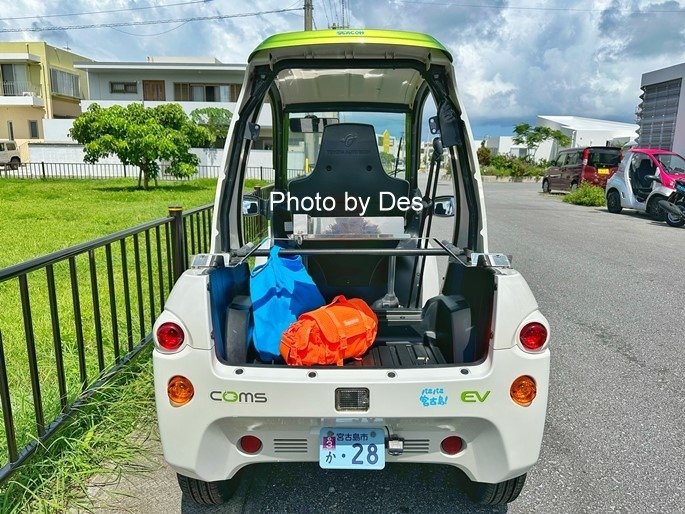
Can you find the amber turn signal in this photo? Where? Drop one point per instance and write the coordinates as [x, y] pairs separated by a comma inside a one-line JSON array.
[[523, 390], [180, 390]]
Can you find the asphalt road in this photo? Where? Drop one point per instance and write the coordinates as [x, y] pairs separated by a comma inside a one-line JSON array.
[[612, 289]]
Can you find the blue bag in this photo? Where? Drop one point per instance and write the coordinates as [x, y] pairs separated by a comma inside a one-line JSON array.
[[280, 290]]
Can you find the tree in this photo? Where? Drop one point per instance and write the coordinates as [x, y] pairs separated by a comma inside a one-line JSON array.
[[533, 137], [216, 120], [388, 161], [142, 137], [484, 154]]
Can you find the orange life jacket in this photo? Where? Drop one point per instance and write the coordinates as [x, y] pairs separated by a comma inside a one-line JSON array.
[[341, 330]]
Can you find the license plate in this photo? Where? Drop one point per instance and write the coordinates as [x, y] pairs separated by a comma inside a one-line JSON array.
[[603, 171], [352, 448]]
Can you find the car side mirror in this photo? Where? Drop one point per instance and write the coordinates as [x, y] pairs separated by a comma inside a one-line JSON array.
[[653, 178], [444, 206], [251, 205]]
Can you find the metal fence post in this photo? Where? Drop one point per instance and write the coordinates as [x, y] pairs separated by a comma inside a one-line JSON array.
[[177, 241], [261, 173], [258, 193], [42, 168]]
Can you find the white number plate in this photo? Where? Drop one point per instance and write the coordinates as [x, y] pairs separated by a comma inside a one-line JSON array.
[[352, 448]]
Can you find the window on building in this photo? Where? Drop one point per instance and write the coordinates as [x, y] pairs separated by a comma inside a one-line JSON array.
[[33, 129], [123, 87], [187, 92], [14, 79], [65, 83]]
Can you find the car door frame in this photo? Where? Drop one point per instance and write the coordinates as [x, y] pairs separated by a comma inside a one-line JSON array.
[[554, 174], [631, 199], [571, 170]]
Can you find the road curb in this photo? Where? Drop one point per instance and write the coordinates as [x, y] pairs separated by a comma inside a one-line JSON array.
[[493, 178]]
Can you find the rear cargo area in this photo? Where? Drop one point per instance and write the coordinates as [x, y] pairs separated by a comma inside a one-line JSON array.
[[452, 328]]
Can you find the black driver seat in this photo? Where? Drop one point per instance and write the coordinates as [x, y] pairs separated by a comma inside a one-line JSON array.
[[646, 168], [349, 162]]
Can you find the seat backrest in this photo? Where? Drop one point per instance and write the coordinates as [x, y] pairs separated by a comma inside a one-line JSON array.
[[349, 162], [646, 168]]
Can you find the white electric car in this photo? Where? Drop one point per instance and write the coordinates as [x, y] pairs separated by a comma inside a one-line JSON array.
[[458, 374]]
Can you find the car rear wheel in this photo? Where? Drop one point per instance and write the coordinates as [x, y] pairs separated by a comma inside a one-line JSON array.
[[574, 186], [545, 186], [655, 210], [676, 222], [208, 493], [614, 202], [495, 494], [14, 163]]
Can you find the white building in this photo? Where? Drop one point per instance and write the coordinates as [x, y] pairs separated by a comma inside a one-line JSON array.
[[191, 82], [581, 131], [588, 131], [504, 145], [661, 114]]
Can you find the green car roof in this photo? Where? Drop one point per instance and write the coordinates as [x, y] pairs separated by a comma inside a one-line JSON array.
[[357, 36]]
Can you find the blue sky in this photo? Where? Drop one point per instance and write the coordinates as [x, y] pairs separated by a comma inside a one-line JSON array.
[[514, 59]]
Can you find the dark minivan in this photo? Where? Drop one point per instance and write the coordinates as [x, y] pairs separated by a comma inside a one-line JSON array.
[[591, 164]]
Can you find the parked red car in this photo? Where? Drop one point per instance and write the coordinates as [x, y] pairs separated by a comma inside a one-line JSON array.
[[591, 164]]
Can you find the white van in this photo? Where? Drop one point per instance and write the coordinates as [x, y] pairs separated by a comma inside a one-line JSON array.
[[458, 373]]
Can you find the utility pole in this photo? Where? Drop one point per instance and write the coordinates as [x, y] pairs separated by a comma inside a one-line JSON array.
[[308, 14]]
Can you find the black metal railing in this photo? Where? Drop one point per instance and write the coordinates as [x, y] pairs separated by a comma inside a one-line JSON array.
[[255, 227], [73, 318], [82, 170]]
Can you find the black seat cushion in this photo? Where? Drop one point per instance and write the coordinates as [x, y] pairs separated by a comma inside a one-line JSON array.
[[349, 162]]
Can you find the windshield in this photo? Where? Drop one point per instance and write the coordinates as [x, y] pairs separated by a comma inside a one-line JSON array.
[[673, 163], [303, 147]]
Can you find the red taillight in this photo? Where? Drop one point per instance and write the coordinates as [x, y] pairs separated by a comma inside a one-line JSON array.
[[533, 336], [586, 156], [452, 445], [250, 444], [170, 336]]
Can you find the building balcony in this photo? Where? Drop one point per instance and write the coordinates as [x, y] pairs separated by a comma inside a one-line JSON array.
[[20, 93]]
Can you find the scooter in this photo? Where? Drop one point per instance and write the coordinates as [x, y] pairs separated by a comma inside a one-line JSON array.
[[675, 205]]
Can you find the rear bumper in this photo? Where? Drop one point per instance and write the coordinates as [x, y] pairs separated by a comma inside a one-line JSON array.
[[286, 408]]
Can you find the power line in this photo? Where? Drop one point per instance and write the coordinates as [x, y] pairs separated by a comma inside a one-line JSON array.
[[162, 6], [530, 8], [149, 22], [334, 12], [325, 11], [151, 35]]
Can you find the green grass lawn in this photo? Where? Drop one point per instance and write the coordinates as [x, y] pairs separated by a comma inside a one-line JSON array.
[[39, 217]]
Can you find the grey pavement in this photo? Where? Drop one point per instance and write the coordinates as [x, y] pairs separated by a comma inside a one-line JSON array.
[[612, 289]]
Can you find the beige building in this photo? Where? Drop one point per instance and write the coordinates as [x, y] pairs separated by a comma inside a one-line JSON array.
[[38, 81]]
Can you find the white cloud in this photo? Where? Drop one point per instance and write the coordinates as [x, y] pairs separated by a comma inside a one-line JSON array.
[[511, 64]]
